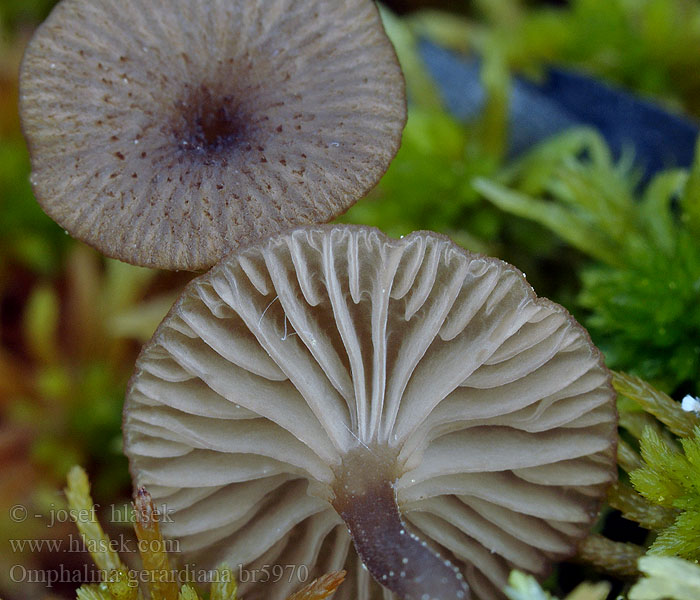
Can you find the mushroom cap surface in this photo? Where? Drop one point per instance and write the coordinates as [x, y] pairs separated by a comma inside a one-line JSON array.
[[327, 342], [167, 132]]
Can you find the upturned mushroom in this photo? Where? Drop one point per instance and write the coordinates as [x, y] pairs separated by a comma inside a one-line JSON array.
[[333, 385], [167, 132]]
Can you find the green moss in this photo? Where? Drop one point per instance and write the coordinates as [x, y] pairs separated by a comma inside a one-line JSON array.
[[671, 478], [427, 185], [667, 578], [640, 294], [525, 587]]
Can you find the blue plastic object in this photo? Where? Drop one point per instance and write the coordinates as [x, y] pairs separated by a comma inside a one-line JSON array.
[[565, 99]]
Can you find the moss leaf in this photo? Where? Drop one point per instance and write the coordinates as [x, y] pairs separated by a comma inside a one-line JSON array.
[[667, 578]]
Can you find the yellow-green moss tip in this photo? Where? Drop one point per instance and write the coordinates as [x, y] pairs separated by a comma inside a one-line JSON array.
[[82, 510], [224, 586]]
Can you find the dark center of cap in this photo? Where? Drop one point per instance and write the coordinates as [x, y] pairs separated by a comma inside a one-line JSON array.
[[210, 123]]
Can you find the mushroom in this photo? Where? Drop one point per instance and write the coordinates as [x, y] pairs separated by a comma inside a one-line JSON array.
[[332, 384], [166, 133]]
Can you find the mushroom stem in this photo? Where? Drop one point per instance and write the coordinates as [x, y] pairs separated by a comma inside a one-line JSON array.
[[398, 559]]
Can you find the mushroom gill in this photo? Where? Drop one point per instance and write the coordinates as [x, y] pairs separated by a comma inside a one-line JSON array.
[[167, 132], [332, 385]]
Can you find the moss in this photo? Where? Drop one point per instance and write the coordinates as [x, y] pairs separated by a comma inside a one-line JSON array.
[[639, 294]]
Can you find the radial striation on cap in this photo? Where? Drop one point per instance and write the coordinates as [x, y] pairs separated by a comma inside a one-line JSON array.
[[167, 132], [333, 385]]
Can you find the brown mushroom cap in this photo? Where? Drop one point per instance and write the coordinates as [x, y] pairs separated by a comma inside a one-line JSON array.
[[167, 132], [325, 365]]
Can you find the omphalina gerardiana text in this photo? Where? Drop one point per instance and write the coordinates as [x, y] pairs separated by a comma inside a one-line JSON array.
[[167, 132], [333, 397]]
